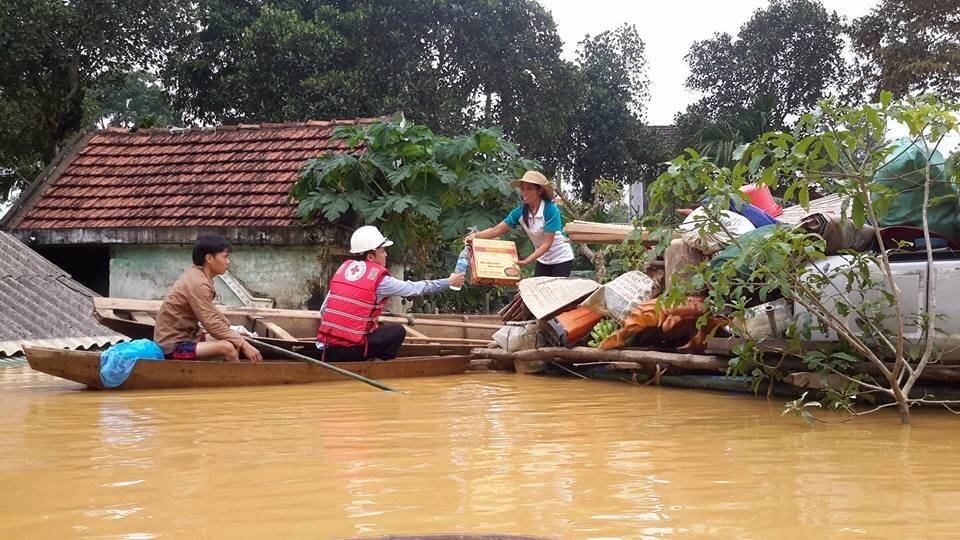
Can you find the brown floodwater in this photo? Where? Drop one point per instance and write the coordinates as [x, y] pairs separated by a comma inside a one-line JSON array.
[[479, 453]]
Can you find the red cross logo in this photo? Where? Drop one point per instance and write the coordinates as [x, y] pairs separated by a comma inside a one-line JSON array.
[[355, 271]]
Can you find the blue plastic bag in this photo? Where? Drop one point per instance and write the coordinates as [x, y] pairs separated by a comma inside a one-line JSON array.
[[118, 361]]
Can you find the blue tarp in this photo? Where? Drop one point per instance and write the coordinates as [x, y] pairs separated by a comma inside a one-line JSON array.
[[118, 361], [758, 217]]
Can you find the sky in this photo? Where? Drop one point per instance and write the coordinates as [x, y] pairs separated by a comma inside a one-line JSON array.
[[668, 29]]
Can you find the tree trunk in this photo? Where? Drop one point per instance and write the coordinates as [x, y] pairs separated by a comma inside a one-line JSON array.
[[600, 263], [488, 106], [586, 354]]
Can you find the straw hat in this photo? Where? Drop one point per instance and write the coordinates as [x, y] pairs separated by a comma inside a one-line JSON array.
[[533, 177]]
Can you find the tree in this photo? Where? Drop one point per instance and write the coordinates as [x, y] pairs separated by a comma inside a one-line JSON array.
[[909, 47], [845, 150], [416, 186], [720, 140], [791, 51], [608, 138], [449, 65], [133, 99], [54, 51], [258, 61]]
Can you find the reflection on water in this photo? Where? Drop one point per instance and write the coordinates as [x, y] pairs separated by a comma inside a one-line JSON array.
[[479, 453]]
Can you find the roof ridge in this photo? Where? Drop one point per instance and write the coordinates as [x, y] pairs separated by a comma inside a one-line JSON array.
[[178, 130]]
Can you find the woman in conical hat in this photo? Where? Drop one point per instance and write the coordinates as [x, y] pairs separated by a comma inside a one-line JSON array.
[[540, 218]]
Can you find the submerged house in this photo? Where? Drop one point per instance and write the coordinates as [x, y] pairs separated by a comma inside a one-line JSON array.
[[120, 209]]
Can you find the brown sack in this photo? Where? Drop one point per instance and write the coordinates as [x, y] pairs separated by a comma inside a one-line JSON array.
[[838, 233]]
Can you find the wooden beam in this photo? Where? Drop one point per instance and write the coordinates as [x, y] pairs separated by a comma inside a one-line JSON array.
[[647, 358], [142, 317], [253, 236], [448, 340], [414, 333], [277, 330]]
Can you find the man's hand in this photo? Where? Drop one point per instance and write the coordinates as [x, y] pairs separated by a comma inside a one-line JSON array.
[[456, 280], [469, 239], [251, 352]]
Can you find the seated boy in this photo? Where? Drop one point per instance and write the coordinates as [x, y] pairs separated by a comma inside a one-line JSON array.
[[190, 301]]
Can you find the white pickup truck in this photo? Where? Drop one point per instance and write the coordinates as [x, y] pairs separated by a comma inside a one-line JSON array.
[[909, 272]]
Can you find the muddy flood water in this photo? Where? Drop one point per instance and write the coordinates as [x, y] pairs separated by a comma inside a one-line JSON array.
[[478, 453]]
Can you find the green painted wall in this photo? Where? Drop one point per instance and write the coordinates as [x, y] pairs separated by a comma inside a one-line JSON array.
[[288, 274]]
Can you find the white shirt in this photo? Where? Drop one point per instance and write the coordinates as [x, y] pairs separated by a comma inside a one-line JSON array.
[[560, 251]]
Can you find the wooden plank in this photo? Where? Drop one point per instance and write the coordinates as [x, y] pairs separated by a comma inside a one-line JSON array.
[[142, 317], [591, 226], [277, 330], [283, 236], [413, 333], [447, 340]]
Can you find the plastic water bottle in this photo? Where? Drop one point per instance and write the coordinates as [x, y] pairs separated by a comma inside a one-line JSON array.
[[463, 260], [463, 263]]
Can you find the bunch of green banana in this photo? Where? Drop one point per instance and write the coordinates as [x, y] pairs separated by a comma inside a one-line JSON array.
[[600, 332]]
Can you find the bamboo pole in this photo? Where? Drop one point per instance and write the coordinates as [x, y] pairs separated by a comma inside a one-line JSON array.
[[464, 341], [331, 367]]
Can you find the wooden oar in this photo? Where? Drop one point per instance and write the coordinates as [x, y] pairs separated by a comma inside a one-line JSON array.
[[331, 367]]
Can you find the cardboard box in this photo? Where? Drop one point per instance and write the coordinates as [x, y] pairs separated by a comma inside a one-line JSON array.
[[494, 262]]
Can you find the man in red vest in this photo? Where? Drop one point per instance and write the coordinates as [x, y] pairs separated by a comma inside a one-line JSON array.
[[358, 291]]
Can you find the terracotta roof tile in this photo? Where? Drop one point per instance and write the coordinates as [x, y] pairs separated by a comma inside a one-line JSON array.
[[223, 176]]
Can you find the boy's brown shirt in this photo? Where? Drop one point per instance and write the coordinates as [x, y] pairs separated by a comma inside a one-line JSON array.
[[189, 301]]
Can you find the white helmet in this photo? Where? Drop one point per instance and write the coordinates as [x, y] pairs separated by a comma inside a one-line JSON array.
[[367, 238]]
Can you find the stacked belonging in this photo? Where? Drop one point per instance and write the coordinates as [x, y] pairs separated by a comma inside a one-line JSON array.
[[516, 310]]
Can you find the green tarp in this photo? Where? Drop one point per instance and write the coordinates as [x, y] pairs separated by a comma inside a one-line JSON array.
[[904, 173]]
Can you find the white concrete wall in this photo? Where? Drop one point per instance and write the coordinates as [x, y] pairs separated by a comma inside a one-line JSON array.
[[288, 274]]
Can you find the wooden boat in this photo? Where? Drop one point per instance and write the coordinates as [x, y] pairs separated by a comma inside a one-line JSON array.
[[296, 330], [84, 368]]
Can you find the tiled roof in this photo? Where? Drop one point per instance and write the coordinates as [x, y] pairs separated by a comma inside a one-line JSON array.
[[669, 135], [41, 305], [228, 176]]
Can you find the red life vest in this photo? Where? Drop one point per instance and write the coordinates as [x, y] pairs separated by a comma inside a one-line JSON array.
[[352, 310]]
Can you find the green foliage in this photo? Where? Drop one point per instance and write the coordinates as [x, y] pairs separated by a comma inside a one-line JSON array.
[[801, 407], [448, 65], [838, 150], [415, 185], [608, 136], [54, 52], [789, 51], [721, 140], [600, 332], [266, 62], [133, 99], [445, 64], [908, 47]]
